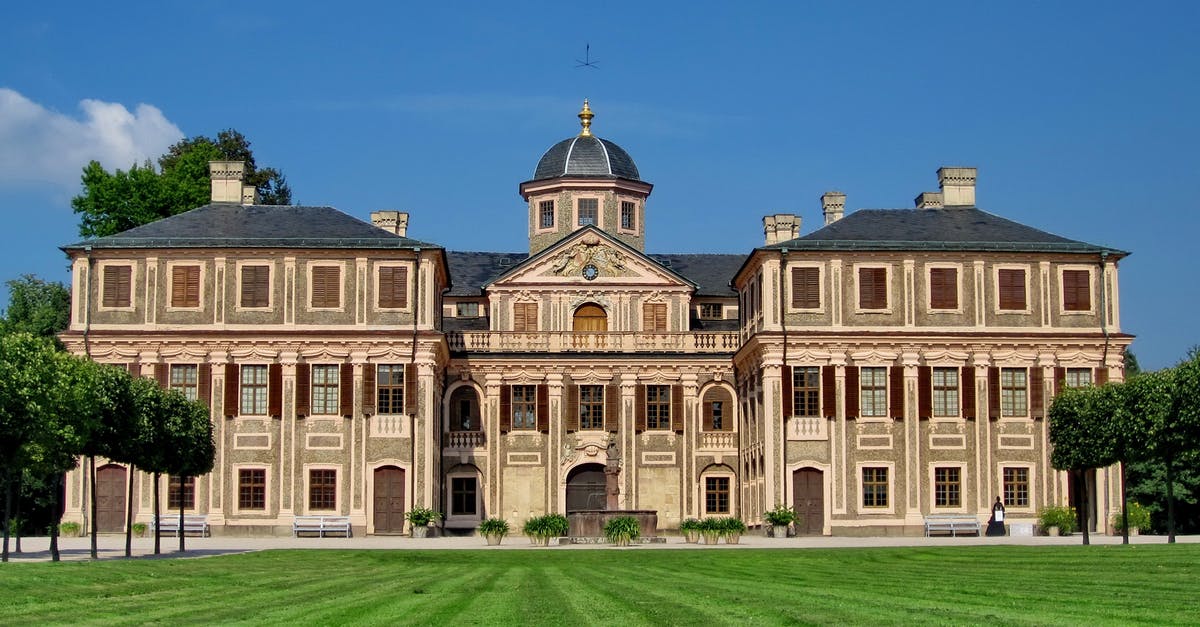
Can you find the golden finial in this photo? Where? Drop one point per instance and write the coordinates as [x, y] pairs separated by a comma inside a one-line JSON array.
[[585, 120]]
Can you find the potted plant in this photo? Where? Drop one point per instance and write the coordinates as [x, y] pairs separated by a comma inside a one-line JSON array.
[[494, 530], [70, 529], [621, 530], [1139, 520], [732, 528], [541, 528], [139, 529], [710, 530], [421, 518], [1057, 519], [690, 528], [779, 519]]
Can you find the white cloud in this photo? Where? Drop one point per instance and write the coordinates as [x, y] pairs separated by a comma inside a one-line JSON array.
[[41, 145]]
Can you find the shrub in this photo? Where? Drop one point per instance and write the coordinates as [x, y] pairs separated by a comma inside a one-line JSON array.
[[689, 524], [622, 529], [557, 525], [542, 528], [1057, 516], [422, 516], [70, 529], [1139, 518], [781, 516], [494, 527], [732, 526]]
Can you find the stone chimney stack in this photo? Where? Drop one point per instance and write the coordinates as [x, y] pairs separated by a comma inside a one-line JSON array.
[[833, 205], [958, 186], [781, 227], [226, 177], [250, 195], [391, 221], [929, 200]]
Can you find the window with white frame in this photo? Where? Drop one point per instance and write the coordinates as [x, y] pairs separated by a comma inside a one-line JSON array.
[[716, 495], [325, 381], [945, 392], [254, 390], [546, 214], [875, 486], [947, 486], [589, 211], [1016, 486], [872, 384], [1014, 392], [1078, 377], [184, 379]]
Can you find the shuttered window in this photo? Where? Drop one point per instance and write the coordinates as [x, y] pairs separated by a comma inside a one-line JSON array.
[[1014, 392], [185, 380], [658, 407], [326, 286], [389, 389], [943, 288], [393, 287], [945, 392], [117, 286], [185, 286], [524, 407], [654, 317], [325, 383], [806, 288], [1077, 290], [254, 390], [1011, 282], [256, 283], [1078, 377], [872, 288], [806, 391], [525, 317], [873, 391], [591, 407]]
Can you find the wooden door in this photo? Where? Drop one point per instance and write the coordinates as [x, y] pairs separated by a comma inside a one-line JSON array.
[[808, 499], [389, 500], [110, 499]]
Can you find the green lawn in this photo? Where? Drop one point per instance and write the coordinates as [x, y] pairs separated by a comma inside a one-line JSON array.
[[958, 585]]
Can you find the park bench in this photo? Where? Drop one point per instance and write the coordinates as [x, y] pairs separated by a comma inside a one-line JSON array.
[[321, 525], [952, 523], [196, 524]]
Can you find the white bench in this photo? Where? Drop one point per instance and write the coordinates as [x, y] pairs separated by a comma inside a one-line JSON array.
[[952, 523], [321, 525], [192, 524]]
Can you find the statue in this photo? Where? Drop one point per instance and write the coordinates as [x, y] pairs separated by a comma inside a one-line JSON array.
[[612, 472]]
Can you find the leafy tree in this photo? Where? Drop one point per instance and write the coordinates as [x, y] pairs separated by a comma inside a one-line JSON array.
[[1080, 437], [1176, 437], [40, 308], [191, 451], [116, 430]]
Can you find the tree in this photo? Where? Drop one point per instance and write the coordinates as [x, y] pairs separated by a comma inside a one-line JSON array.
[[191, 451], [1080, 438], [1128, 433], [116, 202], [1177, 436], [37, 307], [116, 430]]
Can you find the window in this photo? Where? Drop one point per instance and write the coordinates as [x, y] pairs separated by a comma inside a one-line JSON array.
[[712, 311], [718, 415], [1016, 487], [591, 407], [658, 407], [1014, 389], [1012, 289], [462, 496], [588, 211], [628, 210], [117, 285], [393, 288], [252, 488], [468, 310], [945, 392], [947, 487], [326, 289], [389, 389], [872, 288], [806, 288], [325, 382], [1078, 377], [654, 317], [872, 385], [524, 407], [322, 489], [256, 281], [185, 286], [546, 214], [184, 379], [181, 495], [943, 288], [254, 390], [806, 391], [525, 317], [1077, 290], [875, 487], [716, 495]]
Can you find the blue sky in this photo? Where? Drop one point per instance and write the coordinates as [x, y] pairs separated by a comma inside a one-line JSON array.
[[1081, 117]]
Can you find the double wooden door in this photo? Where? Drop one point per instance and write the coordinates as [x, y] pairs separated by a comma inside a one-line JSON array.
[[110, 499], [808, 499], [389, 500]]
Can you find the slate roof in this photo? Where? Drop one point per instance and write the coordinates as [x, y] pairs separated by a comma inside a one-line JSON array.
[[586, 157], [256, 226]]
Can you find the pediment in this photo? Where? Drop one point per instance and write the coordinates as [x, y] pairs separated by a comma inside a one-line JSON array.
[[590, 259]]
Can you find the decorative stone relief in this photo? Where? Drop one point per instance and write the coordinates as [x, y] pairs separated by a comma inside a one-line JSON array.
[[590, 251]]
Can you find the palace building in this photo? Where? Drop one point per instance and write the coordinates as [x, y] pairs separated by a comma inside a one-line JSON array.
[[890, 365]]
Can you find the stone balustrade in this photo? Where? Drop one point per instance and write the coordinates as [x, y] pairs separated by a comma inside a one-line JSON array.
[[718, 440], [715, 342], [464, 439], [814, 428]]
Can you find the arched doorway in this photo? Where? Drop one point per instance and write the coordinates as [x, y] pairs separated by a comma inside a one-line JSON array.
[[586, 488], [389, 499], [590, 318], [464, 410], [110, 498], [808, 500]]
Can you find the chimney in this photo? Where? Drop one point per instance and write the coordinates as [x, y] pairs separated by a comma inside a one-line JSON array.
[[226, 177], [929, 200], [781, 227], [958, 186], [833, 204], [249, 195], [391, 221]]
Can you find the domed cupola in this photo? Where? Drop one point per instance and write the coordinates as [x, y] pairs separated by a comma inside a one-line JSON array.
[[585, 180]]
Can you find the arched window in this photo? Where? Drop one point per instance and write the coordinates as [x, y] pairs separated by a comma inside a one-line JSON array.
[[590, 318], [464, 410]]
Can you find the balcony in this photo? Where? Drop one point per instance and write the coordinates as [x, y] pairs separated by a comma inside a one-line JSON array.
[[463, 440], [710, 342], [718, 441], [806, 428]]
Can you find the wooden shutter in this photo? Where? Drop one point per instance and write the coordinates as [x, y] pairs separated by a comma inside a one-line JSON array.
[[706, 412], [677, 408], [303, 389], [543, 408], [505, 408], [525, 317], [1012, 288], [851, 391], [872, 288], [393, 287], [571, 419], [788, 402], [943, 288], [133, 369], [275, 390], [231, 390], [612, 407], [654, 317], [924, 392], [346, 393], [806, 288], [1036, 392], [896, 386], [1060, 379], [162, 374], [326, 286], [640, 400], [117, 286], [369, 393], [829, 390], [1101, 376], [1076, 287], [967, 396], [410, 389], [256, 284], [204, 384], [994, 392], [185, 286]]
